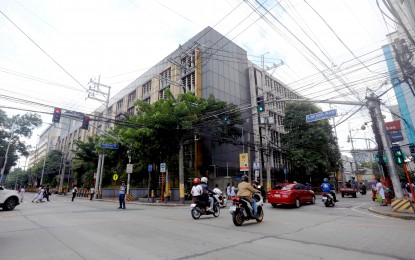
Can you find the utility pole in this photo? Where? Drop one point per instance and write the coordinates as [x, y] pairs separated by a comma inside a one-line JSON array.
[[373, 103]]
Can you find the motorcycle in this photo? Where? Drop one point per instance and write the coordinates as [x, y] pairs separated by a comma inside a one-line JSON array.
[[242, 209], [328, 200], [199, 208], [363, 190], [222, 201]]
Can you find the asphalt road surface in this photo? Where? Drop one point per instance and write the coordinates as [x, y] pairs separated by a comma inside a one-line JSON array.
[[85, 229]]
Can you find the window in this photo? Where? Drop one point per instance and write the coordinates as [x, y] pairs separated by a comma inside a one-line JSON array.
[[147, 89], [187, 64], [165, 78], [131, 111], [131, 98], [120, 105], [162, 93], [188, 82], [147, 100]]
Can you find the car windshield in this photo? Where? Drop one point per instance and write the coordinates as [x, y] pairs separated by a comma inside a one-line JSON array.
[[283, 187]]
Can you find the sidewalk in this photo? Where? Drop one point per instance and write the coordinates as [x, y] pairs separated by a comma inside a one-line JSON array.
[[387, 211]]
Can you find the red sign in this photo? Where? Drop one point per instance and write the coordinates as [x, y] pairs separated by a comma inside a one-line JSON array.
[[393, 126]]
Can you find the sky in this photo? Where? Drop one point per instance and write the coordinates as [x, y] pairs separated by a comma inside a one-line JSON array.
[[331, 49]]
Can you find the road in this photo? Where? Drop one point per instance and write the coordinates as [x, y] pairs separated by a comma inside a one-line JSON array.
[[82, 229]]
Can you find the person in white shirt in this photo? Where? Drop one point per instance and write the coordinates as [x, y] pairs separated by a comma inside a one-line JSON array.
[[197, 190], [381, 192], [219, 192], [22, 191]]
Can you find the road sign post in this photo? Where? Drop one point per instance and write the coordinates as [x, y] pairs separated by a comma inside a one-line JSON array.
[[150, 169], [163, 171]]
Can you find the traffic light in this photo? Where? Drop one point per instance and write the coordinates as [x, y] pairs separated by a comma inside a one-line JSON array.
[[398, 155], [85, 123], [56, 115], [260, 104], [412, 148]]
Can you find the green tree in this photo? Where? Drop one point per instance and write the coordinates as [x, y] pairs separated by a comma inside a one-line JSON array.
[[311, 147], [12, 130], [158, 130], [84, 164]]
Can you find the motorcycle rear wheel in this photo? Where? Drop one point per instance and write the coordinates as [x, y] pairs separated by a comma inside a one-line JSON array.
[[216, 209], [196, 213], [260, 217], [237, 218]]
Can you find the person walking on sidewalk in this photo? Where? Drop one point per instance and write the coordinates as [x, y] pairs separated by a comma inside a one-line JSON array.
[[121, 195], [381, 192], [74, 191], [47, 193], [91, 193]]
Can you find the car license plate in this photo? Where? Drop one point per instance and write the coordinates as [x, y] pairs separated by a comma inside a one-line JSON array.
[[277, 195], [232, 209]]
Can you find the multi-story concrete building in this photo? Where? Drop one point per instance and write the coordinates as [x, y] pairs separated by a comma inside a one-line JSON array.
[[208, 64]]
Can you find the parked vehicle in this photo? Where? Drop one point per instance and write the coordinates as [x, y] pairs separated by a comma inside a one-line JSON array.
[[9, 199], [291, 194], [348, 192], [328, 200], [242, 209], [199, 208]]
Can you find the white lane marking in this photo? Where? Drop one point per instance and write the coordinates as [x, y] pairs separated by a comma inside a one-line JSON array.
[[373, 215]]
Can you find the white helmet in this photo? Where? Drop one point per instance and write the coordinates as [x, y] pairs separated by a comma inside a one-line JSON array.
[[204, 180]]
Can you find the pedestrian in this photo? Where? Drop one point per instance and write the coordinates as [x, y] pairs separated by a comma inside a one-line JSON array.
[[233, 194], [121, 195], [381, 192], [47, 193], [22, 191], [228, 191], [36, 197], [91, 193], [408, 189], [74, 191]]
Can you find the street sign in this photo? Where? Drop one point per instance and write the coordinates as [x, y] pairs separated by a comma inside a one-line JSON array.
[[130, 168], [108, 146], [162, 167], [321, 115], [150, 167], [395, 136], [243, 162], [115, 177], [393, 125], [256, 166]]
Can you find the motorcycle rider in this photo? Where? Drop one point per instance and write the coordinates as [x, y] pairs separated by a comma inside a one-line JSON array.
[[197, 190], [219, 192], [328, 188], [245, 189], [206, 192]]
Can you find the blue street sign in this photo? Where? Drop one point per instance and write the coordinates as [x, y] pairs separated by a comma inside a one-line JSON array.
[[108, 146], [162, 167], [150, 167], [396, 136], [321, 115]]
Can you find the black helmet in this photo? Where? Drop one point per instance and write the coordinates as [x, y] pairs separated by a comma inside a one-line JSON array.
[[244, 178]]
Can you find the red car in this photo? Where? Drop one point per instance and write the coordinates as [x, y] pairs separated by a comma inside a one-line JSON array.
[[291, 194]]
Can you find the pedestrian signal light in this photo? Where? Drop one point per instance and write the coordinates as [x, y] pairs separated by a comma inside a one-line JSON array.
[[260, 104], [56, 115], [412, 148], [398, 155], [85, 123]]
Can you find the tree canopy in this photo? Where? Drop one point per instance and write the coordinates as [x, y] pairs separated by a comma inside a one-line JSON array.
[[12, 130], [311, 147]]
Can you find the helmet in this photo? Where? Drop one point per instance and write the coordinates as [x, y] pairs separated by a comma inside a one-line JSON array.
[[204, 180], [196, 181], [326, 180], [244, 178]]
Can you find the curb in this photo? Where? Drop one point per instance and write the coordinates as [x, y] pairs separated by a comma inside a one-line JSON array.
[[394, 215]]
